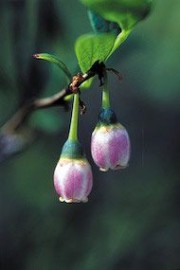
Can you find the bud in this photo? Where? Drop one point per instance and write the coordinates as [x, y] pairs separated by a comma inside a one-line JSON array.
[[73, 176], [110, 144]]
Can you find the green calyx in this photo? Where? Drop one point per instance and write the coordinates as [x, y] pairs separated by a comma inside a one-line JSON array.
[[107, 117], [72, 150]]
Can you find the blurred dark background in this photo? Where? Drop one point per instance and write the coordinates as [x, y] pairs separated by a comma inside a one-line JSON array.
[[131, 221]]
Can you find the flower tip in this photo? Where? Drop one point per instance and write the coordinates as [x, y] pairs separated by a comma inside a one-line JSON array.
[[61, 199], [103, 169], [84, 200]]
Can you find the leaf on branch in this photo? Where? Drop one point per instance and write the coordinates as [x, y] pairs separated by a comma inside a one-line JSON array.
[[105, 15], [92, 47], [55, 60], [124, 12]]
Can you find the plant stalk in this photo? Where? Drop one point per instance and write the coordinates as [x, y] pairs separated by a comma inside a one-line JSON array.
[[105, 93], [73, 132]]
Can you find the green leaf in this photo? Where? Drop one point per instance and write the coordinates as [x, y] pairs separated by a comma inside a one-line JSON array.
[[100, 25], [92, 47], [124, 12], [53, 59], [106, 14]]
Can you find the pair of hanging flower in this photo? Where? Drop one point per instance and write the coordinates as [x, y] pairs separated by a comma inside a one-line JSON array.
[[110, 149], [112, 22]]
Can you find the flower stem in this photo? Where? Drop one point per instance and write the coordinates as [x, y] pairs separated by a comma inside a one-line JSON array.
[[105, 93], [73, 133]]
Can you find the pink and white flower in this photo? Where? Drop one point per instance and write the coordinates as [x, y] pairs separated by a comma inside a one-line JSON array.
[[110, 146], [73, 180]]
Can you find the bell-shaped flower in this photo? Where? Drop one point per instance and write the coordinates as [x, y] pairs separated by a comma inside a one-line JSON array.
[[73, 175], [110, 144], [73, 178]]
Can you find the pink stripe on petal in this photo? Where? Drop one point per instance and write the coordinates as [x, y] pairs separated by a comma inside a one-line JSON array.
[[79, 184], [89, 182], [73, 183], [98, 151], [125, 155], [116, 147]]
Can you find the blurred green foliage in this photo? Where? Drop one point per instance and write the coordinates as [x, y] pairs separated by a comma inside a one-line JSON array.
[[132, 218]]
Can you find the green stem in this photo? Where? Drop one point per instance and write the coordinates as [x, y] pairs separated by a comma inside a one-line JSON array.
[[73, 133], [105, 93]]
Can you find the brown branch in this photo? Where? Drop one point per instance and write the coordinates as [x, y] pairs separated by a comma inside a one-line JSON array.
[[24, 112]]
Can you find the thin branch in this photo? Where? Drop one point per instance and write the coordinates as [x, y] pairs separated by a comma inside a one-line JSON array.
[[24, 112], [17, 119]]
